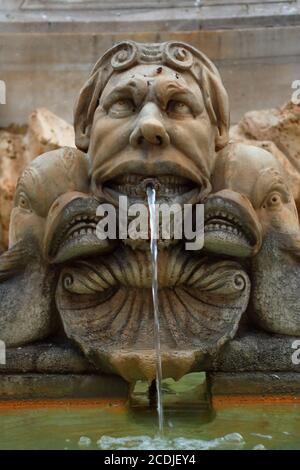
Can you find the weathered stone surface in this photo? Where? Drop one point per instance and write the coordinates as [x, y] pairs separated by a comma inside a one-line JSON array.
[[27, 290], [248, 352], [26, 309], [18, 146], [46, 132], [46, 358], [275, 283], [60, 386], [278, 131], [149, 115], [253, 383], [208, 300], [107, 308], [257, 175], [257, 351], [279, 125], [13, 159]]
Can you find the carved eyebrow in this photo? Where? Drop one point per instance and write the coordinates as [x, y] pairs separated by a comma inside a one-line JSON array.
[[28, 178], [166, 90], [134, 88]]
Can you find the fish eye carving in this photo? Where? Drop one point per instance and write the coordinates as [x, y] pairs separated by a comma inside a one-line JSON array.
[[273, 200], [23, 202], [276, 197]]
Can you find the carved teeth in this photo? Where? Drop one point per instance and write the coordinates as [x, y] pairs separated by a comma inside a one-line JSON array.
[[132, 185], [214, 226], [90, 222]]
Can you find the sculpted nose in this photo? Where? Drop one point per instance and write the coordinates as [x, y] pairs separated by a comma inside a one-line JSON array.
[[149, 128]]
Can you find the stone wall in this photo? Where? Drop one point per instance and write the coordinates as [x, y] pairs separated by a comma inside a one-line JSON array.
[[46, 54]]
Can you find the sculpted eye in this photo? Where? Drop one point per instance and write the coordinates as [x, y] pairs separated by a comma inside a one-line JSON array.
[[23, 202], [273, 200], [179, 108], [122, 108]]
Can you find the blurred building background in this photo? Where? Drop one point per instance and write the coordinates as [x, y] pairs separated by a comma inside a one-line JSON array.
[[47, 47]]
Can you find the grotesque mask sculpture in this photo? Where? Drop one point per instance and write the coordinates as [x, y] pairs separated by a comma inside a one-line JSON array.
[[159, 114]]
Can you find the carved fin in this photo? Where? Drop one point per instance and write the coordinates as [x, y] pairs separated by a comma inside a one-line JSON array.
[[14, 260], [290, 243]]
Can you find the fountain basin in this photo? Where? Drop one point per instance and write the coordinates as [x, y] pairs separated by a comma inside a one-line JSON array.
[[110, 424]]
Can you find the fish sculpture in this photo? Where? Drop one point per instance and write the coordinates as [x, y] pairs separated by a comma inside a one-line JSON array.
[[275, 264], [53, 221]]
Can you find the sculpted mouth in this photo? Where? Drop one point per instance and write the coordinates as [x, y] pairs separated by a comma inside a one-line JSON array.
[[81, 226], [230, 228], [167, 186], [226, 222], [73, 232]]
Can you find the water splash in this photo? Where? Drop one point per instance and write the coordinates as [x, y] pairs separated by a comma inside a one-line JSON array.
[[229, 441], [84, 441], [151, 194]]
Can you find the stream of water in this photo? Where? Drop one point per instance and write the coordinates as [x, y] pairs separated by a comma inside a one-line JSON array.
[[151, 194]]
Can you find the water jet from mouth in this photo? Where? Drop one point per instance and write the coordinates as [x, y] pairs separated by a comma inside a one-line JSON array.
[[151, 195]]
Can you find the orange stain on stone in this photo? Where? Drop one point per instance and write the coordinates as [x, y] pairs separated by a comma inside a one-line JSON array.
[[223, 401], [115, 405]]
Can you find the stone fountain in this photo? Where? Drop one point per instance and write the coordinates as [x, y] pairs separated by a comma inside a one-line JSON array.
[[76, 311]]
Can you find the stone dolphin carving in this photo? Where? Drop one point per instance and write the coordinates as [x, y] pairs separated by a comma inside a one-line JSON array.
[[275, 268], [27, 281]]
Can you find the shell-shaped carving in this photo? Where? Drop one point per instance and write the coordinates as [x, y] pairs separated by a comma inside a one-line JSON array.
[[133, 269], [106, 306]]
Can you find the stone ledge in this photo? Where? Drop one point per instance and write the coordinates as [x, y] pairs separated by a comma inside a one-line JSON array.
[[55, 371], [256, 352], [183, 17], [46, 358], [253, 383], [250, 352], [61, 386]]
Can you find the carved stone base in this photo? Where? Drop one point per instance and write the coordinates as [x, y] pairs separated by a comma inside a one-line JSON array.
[[251, 364], [57, 372], [256, 365], [61, 386], [263, 384], [257, 352]]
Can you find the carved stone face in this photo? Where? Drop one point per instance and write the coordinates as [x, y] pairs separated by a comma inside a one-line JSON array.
[[257, 175], [46, 179], [274, 203], [151, 122], [154, 113]]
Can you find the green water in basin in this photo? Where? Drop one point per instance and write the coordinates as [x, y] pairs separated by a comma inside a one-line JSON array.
[[189, 424]]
